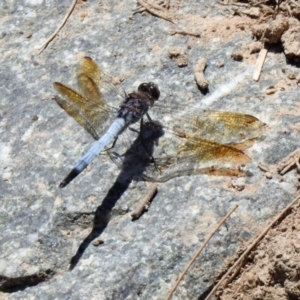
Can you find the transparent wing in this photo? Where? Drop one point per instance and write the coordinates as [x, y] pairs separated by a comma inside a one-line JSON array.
[[105, 88], [194, 156], [202, 141], [74, 111], [85, 110], [220, 126]]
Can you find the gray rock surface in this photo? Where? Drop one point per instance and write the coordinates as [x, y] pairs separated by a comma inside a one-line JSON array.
[[44, 229]]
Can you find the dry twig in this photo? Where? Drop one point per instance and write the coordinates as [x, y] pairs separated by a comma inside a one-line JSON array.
[[284, 165], [145, 202], [199, 73], [239, 263], [259, 63], [44, 46], [199, 251], [291, 160], [184, 32], [157, 10]]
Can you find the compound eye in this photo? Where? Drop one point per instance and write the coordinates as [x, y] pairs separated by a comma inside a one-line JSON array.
[[143, 87], [154, 91], [150, 89]]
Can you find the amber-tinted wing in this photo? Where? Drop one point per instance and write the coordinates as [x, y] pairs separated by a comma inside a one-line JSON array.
[[75, 112], [203, 142], [88, 106], [88, 70], [87, 113], [220, 126], [199, 156], [89, 80], [227, 127], [208, 151]]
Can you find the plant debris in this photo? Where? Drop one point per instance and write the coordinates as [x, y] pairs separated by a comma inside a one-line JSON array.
[[179, 57], [199, 73]]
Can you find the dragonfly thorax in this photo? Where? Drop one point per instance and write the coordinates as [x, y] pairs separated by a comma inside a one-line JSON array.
[[138, 103], [133, 108]]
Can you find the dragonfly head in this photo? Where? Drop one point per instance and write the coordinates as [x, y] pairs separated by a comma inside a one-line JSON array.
[[150, 89]]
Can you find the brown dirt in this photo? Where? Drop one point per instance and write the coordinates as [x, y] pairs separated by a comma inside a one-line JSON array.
[[273, 268], [179, 57], [269, 24], [275, 24]]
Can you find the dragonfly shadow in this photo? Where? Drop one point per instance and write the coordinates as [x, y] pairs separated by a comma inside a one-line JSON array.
[[132, 163]]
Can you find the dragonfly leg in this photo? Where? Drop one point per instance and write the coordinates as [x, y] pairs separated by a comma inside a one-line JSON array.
[[112, 146], [148, 116]]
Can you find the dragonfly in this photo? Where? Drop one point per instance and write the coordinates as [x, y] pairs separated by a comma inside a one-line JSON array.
[[194, 141]]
